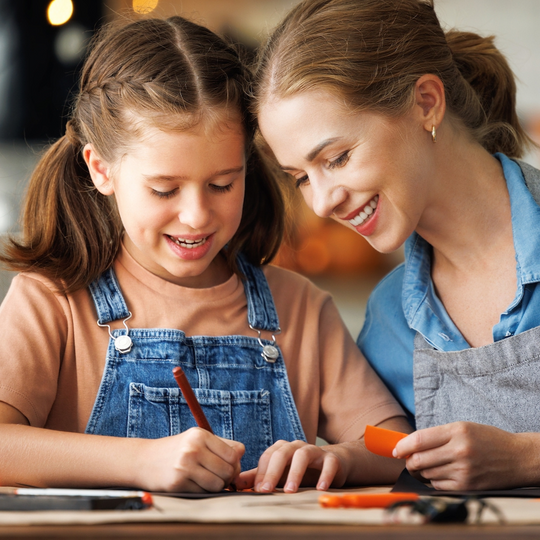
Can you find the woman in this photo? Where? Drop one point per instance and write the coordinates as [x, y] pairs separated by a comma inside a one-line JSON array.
[[409, 136]]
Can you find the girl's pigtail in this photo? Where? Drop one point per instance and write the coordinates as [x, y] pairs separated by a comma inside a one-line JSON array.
[[71, 231]]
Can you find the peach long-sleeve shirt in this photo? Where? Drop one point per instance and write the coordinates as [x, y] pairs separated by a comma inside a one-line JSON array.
[[53, 352]]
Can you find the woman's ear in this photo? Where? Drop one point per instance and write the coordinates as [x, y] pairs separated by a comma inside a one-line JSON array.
[[430, 100], [99, 170]]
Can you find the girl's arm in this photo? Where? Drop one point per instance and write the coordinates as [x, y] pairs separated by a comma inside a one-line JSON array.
[[191, 461], [466, 455], [298, 464]]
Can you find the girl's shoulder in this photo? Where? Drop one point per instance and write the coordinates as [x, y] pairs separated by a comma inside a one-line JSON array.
[[284, 282]]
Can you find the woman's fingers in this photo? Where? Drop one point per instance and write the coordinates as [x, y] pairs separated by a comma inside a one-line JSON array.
[[423, 439]]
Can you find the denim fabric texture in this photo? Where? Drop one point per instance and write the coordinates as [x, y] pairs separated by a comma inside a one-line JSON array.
[[244, 397], [405, 303]]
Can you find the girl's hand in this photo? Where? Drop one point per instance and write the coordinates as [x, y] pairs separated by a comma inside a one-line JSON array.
[[465, 455], [289, 463], [193, 461]]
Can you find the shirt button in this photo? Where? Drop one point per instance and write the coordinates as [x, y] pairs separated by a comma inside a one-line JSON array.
[[508, 334], [444, 336]]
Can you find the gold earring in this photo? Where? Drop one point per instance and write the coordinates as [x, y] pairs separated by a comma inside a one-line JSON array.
[[433, 134]]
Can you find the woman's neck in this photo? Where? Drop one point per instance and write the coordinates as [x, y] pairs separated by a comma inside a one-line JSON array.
[[468, 218]]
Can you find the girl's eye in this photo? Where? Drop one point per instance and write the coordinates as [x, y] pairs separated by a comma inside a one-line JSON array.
[[164, 194], [301, 181], [221, 189], [339, 161]]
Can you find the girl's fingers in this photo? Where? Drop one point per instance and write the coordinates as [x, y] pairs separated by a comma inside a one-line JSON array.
[[264, 461], [330, 468], [246, 479], [315, 458]]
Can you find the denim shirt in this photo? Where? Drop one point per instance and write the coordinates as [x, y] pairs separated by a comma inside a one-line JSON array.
[[405, 302]]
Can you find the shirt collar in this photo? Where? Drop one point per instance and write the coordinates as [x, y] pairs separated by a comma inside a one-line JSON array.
[[423, 309]]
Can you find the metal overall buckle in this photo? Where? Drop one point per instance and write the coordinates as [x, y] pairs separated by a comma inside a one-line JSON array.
[[123, 343], [269, 352]]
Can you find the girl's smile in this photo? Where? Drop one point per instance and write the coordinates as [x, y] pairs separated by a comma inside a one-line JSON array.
[[180, 197]]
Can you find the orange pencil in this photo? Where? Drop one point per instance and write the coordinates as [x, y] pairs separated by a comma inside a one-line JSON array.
[[191, 399]]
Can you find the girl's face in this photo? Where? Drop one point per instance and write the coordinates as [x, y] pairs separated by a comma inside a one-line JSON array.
[[180, 196], [367, 171]]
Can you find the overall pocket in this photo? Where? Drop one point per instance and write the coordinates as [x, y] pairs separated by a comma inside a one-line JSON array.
[[241, 415]]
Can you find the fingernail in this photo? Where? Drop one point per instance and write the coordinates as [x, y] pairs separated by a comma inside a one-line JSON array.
[[258, 487], [394, 452], [266, 487], [291, 486], [322, 486]]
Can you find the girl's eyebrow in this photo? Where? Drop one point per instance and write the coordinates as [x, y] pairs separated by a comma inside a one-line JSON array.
[[169, 178], [315, 152]]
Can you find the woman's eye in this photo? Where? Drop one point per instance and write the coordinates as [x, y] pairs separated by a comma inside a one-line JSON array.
[[339, 161], [301, 181], [164, 194]]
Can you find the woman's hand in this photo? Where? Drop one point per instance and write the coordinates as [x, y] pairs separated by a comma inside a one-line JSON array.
[[193, 461], [465, 455], [291, 463]]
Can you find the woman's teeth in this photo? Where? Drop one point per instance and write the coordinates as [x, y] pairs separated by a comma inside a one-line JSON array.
[[365, 213], [189, 244]]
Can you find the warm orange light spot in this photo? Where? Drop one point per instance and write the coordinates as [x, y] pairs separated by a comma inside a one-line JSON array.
[[144, 6], [59, 12]]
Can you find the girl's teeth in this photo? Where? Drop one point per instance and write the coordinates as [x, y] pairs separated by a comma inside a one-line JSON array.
[[365, 213], [189, 244]]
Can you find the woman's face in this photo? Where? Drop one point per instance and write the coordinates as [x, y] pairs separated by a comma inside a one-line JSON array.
[[367, 171]]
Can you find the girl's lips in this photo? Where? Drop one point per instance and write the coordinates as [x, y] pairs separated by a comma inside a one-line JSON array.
[[190, 249]]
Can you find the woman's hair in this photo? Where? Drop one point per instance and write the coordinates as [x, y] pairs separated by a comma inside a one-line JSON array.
[[370, 53], [170, 74]]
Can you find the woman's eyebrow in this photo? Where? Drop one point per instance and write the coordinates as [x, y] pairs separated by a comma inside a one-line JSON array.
[[315, 152]]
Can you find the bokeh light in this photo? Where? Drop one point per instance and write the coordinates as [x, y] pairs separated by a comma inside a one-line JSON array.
[[143, 7], [59, 12]]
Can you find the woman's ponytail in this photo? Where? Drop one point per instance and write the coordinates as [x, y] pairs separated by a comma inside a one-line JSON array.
[[488, 73]]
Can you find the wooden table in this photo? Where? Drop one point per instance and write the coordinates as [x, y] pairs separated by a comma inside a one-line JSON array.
[[169, 531]]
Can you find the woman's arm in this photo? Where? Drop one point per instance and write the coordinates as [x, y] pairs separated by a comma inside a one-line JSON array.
[[298, 464], [191, 461], [465, 455]]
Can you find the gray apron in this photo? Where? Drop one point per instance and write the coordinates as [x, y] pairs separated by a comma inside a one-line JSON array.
[[498, 384]]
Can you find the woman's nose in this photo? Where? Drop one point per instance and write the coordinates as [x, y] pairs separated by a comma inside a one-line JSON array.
[[325, 197]]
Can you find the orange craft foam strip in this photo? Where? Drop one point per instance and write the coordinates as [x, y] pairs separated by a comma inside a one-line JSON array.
[[365, 500], [382, 441]]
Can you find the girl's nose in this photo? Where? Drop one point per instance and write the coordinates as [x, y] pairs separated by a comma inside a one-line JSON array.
[[194, 211]]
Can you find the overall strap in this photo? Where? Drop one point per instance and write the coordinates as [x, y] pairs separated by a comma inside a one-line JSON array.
[[262, 313], [107, 296]]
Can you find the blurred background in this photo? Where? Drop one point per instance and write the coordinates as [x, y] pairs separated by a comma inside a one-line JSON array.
[[42, 45]]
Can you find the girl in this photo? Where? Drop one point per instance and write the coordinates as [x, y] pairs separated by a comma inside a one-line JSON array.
[[147, 232], [405, 135]]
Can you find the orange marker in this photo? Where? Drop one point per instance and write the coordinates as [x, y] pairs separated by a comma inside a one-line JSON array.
[[382, 441], [365, 500]]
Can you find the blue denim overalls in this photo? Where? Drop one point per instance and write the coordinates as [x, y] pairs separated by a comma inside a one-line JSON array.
[[245, 394]]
